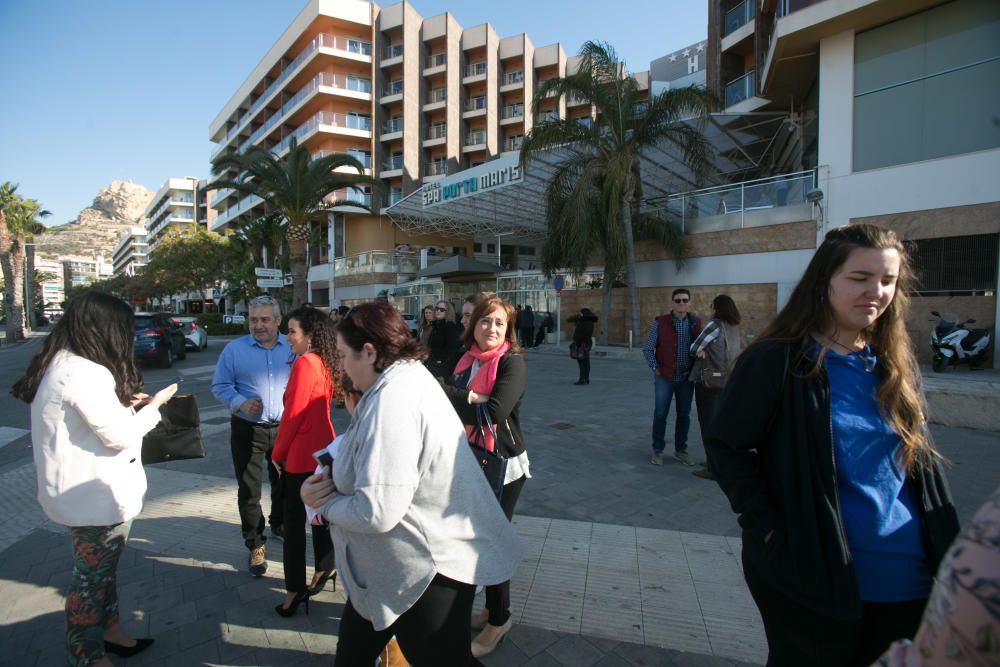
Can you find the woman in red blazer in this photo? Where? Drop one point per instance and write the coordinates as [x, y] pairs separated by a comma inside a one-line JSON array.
[[305, 428]]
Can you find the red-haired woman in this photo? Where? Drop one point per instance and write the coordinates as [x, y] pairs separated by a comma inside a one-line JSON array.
[[492, 372]]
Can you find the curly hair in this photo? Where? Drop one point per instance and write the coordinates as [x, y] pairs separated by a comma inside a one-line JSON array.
[[322, 338], [98, 327]]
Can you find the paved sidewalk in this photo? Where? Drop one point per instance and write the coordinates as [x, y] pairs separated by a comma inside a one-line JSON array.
[[627, 563]]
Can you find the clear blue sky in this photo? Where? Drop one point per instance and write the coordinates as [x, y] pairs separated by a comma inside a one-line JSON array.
[[96, 90]]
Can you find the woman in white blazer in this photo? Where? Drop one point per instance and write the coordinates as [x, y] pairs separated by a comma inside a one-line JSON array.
[[83, 388]]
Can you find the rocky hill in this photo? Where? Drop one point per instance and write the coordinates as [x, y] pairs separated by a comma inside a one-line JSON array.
[[97, 229]]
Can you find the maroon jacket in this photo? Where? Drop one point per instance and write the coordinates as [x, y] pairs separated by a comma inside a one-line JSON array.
[[666, 343]]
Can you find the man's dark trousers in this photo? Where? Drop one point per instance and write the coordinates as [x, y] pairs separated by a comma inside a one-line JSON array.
[[251, 445]]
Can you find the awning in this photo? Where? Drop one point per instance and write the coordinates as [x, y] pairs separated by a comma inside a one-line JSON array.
[[497, 199], [458, 266]]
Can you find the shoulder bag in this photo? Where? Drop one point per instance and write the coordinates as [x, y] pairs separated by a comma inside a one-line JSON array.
[[715, 378], [491, 462], [177, 436]]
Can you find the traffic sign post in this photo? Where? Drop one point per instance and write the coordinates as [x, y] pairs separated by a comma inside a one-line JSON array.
[[268, 273], [271, 282]]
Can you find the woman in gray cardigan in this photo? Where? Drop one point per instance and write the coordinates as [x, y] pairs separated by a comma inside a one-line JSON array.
[[715, 348], [415, 525]]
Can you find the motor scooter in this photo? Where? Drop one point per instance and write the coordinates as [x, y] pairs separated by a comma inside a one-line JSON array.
[[953, 343]]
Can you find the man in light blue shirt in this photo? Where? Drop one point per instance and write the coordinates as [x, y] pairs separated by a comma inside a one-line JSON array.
[[250, 379]]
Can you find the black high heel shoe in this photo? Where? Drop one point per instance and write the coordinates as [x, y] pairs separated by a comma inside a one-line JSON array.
[[289, 611], [318, 588], [127, 651]]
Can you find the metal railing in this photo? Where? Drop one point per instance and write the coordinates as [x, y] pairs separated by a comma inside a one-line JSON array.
[[437, 60], [475, 138], [438, 95], [393, 125], [513, 143], [739, 199], [741, 89], [395, 162], [392, 51], [513, 77], [346, 121], [476, 103], [738, 16], [476, 69], [512, 111], [394, 88], [437, 131], [546, 117], [437, 168]]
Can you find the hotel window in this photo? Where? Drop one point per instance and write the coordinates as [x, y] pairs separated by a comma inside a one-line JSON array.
[[926, 86]]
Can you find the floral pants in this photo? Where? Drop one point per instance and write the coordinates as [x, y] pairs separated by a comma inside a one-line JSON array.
[[92, 597]]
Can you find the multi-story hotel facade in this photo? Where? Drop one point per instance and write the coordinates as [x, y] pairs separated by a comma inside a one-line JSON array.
[[414, 100], [180, 204], [131, 253]]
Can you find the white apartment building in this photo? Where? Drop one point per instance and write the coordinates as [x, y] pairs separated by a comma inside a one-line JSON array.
[[131, 253], [172, 209]]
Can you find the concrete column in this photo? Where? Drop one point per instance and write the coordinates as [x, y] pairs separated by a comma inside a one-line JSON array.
[[836, 117]]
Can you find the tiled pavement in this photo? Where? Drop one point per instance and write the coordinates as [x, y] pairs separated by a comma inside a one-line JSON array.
[[627, 563]]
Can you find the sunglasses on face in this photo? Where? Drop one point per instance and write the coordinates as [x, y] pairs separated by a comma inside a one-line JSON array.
[[440, 309], [681, 300]]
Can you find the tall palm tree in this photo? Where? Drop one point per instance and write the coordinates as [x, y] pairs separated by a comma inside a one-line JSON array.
[[18, 224], [593, 199], [298, 188]]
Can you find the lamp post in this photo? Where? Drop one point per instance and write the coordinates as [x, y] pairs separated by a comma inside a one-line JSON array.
[[29, 284]]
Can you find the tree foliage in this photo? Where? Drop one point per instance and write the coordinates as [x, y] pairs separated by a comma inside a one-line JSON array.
[[593, 201], [296, 187], [19, 222]]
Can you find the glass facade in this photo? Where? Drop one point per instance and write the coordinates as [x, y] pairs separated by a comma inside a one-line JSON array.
[[927, 86]]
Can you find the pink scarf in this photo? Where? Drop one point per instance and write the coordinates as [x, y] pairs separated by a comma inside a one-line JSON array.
[[484, 379]]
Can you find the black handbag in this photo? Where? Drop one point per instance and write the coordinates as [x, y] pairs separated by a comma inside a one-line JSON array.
[[574, 351], [493, 464], [177, 436]]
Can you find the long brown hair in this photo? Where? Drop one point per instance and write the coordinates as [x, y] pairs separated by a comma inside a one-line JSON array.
[[808, 310], [322, 338], [484, 307]]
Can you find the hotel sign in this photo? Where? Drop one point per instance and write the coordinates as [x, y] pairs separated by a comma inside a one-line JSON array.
[[483, 178]]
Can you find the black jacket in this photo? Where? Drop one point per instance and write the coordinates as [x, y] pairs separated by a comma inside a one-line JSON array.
[[504, 403], [583, 333], [771, 449], [444, 346]]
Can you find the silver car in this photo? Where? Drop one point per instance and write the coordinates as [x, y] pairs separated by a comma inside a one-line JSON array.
[[195, 336]]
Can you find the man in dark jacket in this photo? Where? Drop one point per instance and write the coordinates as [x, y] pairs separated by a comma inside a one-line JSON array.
[[667, 353]]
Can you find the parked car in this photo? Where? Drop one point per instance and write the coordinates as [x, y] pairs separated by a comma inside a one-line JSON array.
[[158, 339], [411, 324], [195, 336]]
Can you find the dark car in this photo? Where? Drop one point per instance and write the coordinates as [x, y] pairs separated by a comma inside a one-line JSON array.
[[158, 339]]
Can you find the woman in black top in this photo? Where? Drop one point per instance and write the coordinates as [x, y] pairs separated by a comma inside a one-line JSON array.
[[443, 341], [583, 338], [492, 373]]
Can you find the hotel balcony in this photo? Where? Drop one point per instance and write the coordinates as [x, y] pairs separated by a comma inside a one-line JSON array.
[[474, 107], [392, 168], [348, 125], [437, 99], [474, 141], [392, 55], [345, 47], [740, 89], [737, 17], [436, 63], [512, 81], [759, 203], [475, 73], [435, 170], [436, 135], [513, 143], [511, 114], [392, 130], [392, 93], [546, 117]]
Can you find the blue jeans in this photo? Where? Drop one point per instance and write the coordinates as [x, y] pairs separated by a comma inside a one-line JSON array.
[[666, 390]]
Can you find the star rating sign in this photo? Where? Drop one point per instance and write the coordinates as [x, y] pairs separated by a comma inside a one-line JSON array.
[[687, 52], [701, 47], [673, 57]]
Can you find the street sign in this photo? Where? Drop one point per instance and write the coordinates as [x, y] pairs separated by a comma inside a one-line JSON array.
[[216, 294], [233, 319], [558, 282], [288, 279], [270, 282], [267, 273]]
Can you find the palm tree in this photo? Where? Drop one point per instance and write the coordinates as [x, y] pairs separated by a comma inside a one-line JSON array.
[[18, 224], [593, 199], [298, 188]]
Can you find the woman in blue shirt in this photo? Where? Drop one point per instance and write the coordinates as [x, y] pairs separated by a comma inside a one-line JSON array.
[[821, 446]]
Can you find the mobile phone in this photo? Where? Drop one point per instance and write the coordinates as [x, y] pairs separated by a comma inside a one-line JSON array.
[[323, 458], [178, 380]]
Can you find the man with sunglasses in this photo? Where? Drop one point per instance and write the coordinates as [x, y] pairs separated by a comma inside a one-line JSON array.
[[667, 353]]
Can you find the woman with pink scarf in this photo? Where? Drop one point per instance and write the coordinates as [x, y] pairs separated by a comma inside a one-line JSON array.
[[492, 373]]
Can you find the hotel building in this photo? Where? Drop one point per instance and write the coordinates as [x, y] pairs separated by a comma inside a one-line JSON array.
[[414, 100], [131, 253], [180, 204]]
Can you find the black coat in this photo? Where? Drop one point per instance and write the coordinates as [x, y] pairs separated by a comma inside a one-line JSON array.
[[771, 449], [504, 404], [583, 334], [444, 346]]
